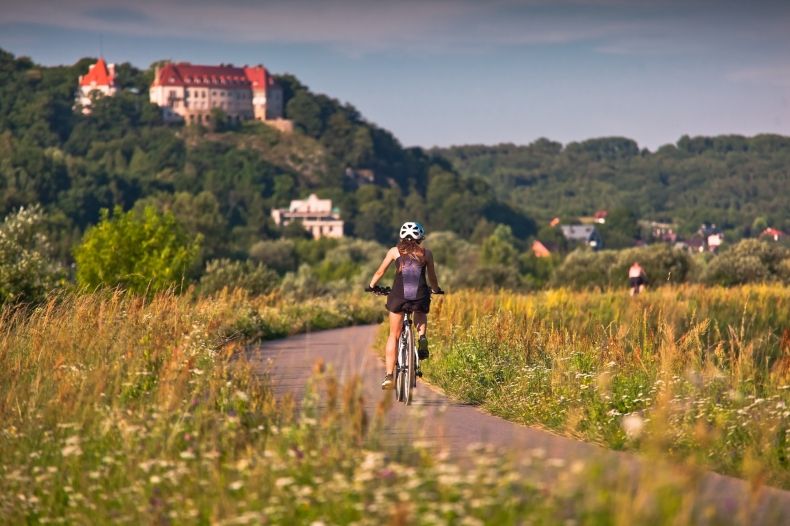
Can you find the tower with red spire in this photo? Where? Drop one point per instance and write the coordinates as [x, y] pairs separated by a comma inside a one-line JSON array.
[[99, 81]]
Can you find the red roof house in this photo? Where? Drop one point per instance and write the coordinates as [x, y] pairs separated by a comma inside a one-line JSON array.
[[98, 81], [773, 233], [540, 250], [600, 216]]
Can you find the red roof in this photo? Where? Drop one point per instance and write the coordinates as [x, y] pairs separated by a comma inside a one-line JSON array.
[[773, 232], [259, 77], [186, 74], [99, 74], [540, 250]]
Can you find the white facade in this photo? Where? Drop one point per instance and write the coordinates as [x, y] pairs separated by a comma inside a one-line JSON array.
[[316, 215]]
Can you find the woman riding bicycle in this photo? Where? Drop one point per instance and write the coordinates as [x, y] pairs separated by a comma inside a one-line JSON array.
[[410, 291]]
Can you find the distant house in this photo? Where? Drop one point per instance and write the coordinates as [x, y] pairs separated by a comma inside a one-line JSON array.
[[696, 243], [586, 234], [659, 231], [316, 215], [772, 233], [598, 218], [540, 250], [715, 241], [99, 81]]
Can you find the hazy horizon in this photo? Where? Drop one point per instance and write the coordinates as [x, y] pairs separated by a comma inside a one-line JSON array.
[[441, 73]]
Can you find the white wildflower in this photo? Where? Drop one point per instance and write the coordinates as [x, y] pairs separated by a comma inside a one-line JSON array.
[[633, 425], [236, 485]]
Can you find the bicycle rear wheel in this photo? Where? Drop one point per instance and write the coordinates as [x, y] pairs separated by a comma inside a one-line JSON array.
[[411, 367]]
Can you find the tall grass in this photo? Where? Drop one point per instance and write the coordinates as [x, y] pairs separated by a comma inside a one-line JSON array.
[[702, 374], [116, 409]]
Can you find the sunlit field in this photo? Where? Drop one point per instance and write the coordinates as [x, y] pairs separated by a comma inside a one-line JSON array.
[[696, 374], [118, 409]]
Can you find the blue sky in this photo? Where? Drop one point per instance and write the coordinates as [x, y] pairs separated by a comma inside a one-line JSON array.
[[442, 72]]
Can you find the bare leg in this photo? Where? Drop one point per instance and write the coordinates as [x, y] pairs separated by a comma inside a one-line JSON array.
[[396, 324], [421, 321]]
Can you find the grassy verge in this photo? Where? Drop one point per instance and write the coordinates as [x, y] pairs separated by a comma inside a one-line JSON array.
[[700, 373], [120, 410]]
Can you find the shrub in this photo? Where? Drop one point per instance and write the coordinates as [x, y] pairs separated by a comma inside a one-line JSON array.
[[140, 252], [305, 284], [662, 264], [584, 268], [748, 261], [253, 277], [608, 268], [279, 255], [26, 275], [353, 260]]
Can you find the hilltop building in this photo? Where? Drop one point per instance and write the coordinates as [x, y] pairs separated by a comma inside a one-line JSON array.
[[316, 215], [188, 92], [99, 81]]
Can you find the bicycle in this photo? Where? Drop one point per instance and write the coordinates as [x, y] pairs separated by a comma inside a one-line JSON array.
[[407, 359]]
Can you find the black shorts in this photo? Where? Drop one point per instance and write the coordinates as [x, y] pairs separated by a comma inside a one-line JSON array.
[[635, 282], [398, 305]]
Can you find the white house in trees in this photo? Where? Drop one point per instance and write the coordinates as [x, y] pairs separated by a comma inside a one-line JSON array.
[[316, 215]]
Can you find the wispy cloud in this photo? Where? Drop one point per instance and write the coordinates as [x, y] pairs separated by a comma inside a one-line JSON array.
[[365, 25], [777, 75], [644, 27]]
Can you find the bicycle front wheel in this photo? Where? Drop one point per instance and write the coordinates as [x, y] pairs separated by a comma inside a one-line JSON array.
[[411, 367], [400, 376]]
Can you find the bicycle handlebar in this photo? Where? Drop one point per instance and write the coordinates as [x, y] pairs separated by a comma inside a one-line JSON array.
[[383, 291], [379, 291]]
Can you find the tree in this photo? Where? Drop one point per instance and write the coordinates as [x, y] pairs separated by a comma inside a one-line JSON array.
[[748, 261], [621, 229], [499, 249], [144, 252], [305, 112], [26, 274]]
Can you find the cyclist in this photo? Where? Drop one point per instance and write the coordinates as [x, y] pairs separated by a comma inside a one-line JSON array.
[[410, 291], [637, 278]]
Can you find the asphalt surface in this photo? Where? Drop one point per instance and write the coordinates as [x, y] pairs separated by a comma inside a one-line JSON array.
[[451, 426]]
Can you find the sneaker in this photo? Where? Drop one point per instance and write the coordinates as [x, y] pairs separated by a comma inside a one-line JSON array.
[[422, 348], [389, 382]]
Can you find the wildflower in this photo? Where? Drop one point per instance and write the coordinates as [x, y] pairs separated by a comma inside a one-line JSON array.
[[72, 447], [283, 481], [555, 462], [236, 485], [187, 455], [155, 479], [632, 425]]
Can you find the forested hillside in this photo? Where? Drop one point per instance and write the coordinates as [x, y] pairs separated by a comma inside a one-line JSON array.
[[219, 182], [739, 183]]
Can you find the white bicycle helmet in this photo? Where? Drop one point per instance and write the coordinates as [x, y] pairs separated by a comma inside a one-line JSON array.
[[412, 230]]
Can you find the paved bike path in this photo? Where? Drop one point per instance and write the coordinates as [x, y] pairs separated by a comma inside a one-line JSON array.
[[455, 426]]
